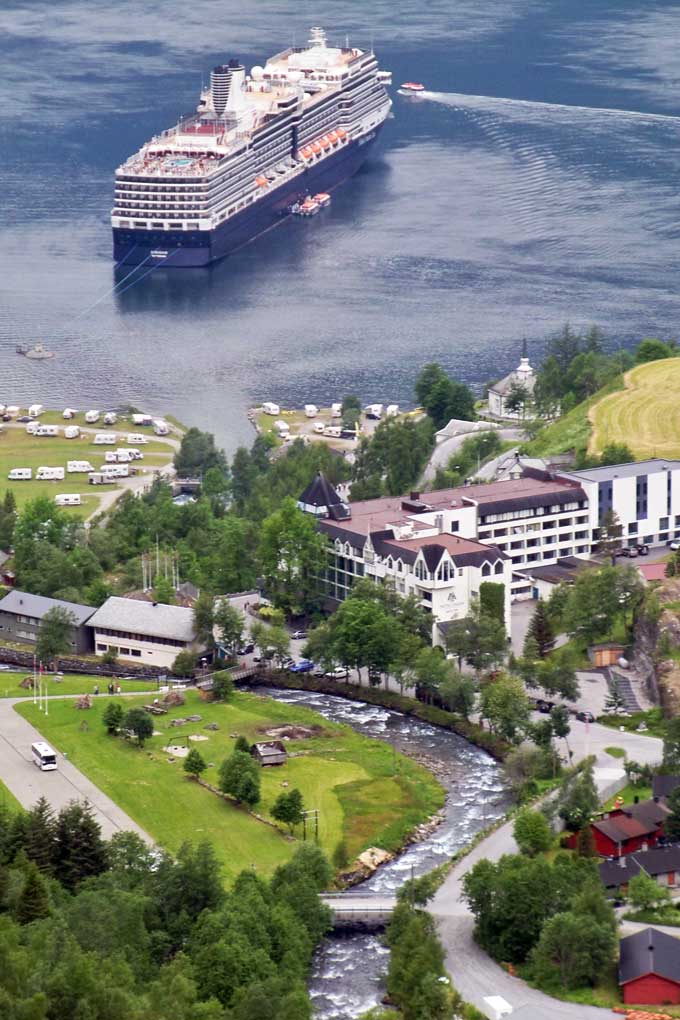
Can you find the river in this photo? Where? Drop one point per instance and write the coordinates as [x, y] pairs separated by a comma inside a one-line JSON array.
[[347, 975]]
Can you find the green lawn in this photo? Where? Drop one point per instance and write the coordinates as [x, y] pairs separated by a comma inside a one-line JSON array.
[[629, 793], [18, 449], [572, 431], [347, 777], [615, 752], [71, 683], [652, 718], [8, 799]]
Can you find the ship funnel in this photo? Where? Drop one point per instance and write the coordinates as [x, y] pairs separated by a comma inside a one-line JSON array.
[[226, 88]]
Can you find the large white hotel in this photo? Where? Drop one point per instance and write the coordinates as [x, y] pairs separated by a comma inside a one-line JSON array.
[[520, 532]]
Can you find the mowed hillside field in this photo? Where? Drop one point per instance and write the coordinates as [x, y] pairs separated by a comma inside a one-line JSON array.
[[645, 414]]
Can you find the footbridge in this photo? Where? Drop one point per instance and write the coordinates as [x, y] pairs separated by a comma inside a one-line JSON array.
[[359, 911]]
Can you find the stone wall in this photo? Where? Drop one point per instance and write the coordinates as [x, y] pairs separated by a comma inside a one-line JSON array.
[[72, 664]]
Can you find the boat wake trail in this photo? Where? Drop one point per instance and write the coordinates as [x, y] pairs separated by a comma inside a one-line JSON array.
[[464, 100]]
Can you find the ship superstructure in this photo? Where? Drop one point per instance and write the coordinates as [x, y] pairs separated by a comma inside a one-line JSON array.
[[258, 144]]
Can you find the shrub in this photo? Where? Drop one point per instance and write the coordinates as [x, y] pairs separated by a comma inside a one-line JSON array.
[[184, 663]]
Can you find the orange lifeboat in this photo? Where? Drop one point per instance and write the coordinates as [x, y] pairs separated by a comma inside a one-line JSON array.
[[325, 142], [341, 133], [315, 147], [332, 137], [261, 182], [306, 152]]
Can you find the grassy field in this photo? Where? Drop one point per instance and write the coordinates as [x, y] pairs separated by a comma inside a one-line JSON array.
[[629, 793], [572, 431], [71, 683], [8, 799], [645, 415], [348, 778], [18, 449]]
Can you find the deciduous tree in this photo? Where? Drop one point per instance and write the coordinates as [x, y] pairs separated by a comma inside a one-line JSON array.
[[288, 808], [240, 778], [139, 722], [532, 833], [194, 765], [54, 634]]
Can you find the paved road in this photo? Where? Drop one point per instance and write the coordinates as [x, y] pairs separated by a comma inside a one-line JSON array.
[[444, 450], [475, 974], [28, 783]]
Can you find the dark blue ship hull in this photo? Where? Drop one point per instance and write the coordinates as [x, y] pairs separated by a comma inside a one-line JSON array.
[[186, 248]]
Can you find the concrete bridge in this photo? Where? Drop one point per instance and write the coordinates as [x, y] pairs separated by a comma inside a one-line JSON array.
[[359, 911]]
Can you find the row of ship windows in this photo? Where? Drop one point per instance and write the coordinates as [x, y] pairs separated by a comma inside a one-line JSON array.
[[180, 226]]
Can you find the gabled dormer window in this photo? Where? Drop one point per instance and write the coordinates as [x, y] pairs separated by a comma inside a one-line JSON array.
[[486, 569], [498, 567], [421, 571]]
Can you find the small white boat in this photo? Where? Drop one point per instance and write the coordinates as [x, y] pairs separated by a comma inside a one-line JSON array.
[[323, 199], [36, 353], [411, 88]]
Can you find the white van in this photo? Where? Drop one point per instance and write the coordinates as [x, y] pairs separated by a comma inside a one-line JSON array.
[[110, 418], [68, 499], [75, 467], [136, 439], [282, 427], [104, 439], [99, 478], [318, 426], [270, 408], [392, 410], [20, 474], [50, 474], [115, 470], [141, 419], [91, 417], [69, 412], [43, 756], [336, 410], [12, 410], [32, 427], [160, 427], [71, 432], [311, 410], [48, 430], [35, 410], [128, 455], [374, 411], [334, 431]]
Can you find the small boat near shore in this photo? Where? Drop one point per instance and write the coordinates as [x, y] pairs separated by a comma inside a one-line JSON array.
[[36, 353]]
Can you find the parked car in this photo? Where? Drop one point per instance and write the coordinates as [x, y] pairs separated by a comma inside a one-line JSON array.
[[303, 666], [247, 649], [585, 717], [673, 545], [339, 673], [299, 635], [24, 418], [630, 550], [287, 662], [544, 706], [643, 550]]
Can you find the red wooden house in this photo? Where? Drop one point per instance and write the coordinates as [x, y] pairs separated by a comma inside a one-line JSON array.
[[649, 968], [628, 829]]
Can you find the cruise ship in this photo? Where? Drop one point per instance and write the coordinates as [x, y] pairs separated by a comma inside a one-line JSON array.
[[258, 145]]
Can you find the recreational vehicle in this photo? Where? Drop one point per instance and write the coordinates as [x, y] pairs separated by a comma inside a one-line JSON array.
[[91, 417], [20, 474], [71, 432], [50, 474], [68, 499], [75, 467], [104, 439]]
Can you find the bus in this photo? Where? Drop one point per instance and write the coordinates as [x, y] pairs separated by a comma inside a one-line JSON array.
[[43, 756]]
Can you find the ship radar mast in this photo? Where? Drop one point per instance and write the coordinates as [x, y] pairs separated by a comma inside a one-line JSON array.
[[317, 38]]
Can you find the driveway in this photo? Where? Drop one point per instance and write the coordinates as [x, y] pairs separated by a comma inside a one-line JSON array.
[[476, 975], [444, 450], [27, 783]]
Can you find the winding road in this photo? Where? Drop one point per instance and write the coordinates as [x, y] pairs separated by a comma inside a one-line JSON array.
[[474, 974]]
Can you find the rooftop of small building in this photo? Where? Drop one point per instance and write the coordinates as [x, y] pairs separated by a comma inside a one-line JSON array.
[[649, 951], [36, 606], [152, 619]]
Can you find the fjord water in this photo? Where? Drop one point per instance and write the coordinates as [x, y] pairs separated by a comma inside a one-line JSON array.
[[536, 182]]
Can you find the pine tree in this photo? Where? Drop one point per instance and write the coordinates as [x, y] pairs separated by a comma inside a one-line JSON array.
[[40, 836], [541, 630], [33, 902], [194, 764], [113, 716], [242, 744], [585, 845], [80, 850]]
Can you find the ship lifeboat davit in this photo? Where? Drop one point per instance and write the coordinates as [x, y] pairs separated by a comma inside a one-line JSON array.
[[412, 87]]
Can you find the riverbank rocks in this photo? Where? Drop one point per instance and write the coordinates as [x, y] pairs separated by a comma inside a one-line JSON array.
[[421, 832], [211, 726]]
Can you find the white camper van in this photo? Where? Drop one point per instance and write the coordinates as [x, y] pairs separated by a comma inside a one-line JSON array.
[[110, 418], [32, 427], [141, 419], [71, 432], [392, 410], [75, 467], [128, 455], [20, 474], [50, 474], [91, 417], [48, 430], [136, 439], [160, 427], [115, 470], [69, 412], [68, 499], [99, 478], [336, 410], [35, 410], [318, 427], [12, 410], [334, 431], [270, 408], [311, 410], [104, 439]]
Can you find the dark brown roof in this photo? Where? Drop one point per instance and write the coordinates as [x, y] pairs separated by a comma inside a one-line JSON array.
[[649, 951], [321, 494], [659, 860], [662, 786], [621, 829]]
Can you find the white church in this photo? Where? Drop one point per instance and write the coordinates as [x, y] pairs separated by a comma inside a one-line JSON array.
[[524, 377]]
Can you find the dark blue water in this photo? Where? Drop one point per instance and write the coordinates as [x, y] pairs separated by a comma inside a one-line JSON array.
[[538, 183]]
